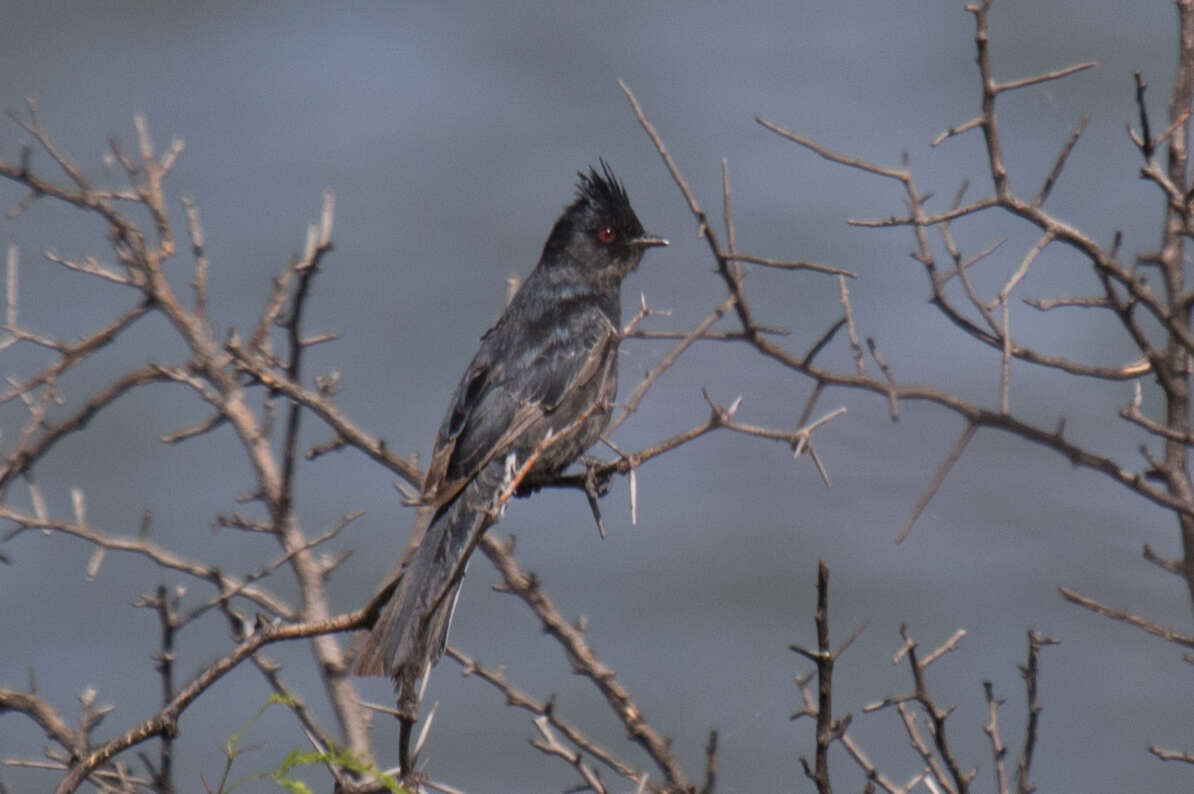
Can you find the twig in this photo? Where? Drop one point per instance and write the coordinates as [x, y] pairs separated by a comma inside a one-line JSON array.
[[1124, 616], [939, 476], [829, 730], [998, 750], [851, 331], [1031, 674]]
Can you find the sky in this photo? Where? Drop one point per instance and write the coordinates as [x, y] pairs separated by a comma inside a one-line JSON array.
[[451, 135]]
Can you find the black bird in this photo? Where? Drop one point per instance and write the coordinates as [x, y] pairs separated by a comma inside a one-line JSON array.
[[540, 389]]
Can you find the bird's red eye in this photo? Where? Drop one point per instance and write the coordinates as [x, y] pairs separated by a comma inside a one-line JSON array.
[[606, 234]]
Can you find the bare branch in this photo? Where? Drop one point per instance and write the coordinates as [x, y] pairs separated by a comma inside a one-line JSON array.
[[1057, 74], [1046, 188], [1171, 755], [998, 750], [585, 661], [547, 709], [668, 360], [327, 411], [165, 721], [939, 476], [825, 152], [1124, 616], [851, 331], [150, 550], [792, 264], [1031, 673]]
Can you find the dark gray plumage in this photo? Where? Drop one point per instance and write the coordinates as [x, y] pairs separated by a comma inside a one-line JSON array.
[[546, 370]]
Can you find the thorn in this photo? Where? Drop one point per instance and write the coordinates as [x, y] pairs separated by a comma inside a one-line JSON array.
[[634, 497]]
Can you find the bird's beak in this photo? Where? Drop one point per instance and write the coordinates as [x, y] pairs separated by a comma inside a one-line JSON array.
[[647, 241]]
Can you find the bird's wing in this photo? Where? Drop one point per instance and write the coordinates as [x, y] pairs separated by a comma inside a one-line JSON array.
[[514, 383]]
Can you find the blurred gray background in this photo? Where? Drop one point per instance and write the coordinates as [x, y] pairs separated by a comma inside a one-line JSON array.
[[451, 134]]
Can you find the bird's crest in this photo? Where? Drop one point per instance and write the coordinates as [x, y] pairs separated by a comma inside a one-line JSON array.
[[602, 194]]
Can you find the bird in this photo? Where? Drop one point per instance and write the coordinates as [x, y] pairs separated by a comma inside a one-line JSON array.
[[537, 394]]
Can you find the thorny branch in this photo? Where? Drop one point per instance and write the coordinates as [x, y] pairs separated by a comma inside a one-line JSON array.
[[548, 711], [585, 661], [941, 771], [208, 373], [1125, 293], [829, 730]]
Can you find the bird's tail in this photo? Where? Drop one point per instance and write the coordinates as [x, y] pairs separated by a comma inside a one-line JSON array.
[[411, 628], [414, 611]]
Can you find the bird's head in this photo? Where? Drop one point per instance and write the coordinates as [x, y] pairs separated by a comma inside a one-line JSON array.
[[599, 236]]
